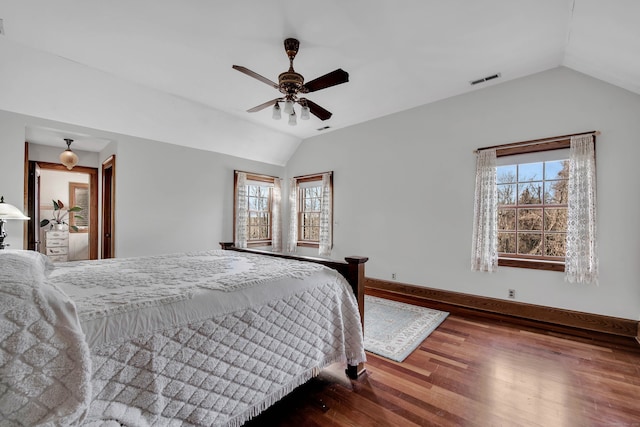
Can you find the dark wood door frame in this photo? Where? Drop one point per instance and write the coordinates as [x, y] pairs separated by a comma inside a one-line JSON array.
[[93, 199], [108, 206]]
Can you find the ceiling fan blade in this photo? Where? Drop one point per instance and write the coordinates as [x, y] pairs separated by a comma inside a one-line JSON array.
[[333, 78], [317, 110], [255, 75], [265, 105]]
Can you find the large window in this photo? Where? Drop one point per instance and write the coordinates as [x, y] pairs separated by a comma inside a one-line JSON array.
[[257, 195], [535, 206], [532, 209], [533, 194]]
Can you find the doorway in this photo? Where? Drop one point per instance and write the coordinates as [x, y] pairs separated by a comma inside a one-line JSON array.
[[73, 192], [108, 206]]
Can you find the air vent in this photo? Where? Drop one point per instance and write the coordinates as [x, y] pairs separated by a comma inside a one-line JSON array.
[[485, 79], [324, 128]]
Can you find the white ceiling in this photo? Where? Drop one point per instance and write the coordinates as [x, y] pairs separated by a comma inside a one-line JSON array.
[[399, 54]]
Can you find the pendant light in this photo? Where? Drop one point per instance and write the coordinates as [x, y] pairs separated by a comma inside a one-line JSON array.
[[68, 157]]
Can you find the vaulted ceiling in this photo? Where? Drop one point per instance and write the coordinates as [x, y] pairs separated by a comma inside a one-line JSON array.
[[399, 54]]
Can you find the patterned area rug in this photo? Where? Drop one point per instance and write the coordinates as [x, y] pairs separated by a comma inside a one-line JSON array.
[[393, 329]]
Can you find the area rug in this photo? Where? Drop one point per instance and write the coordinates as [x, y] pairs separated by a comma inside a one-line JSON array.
[[393, 329]]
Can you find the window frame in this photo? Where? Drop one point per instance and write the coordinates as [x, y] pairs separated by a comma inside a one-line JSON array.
[[259, 178], [538, 263], [85, 213], [317, 177]]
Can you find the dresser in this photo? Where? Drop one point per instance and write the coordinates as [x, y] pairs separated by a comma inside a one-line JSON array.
[[57, 245]]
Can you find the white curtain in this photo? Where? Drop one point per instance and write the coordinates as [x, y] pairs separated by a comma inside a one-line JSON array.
[[484, 254], [292, 241], [581, 261], [324, 247], [241, 211], [276, 217]]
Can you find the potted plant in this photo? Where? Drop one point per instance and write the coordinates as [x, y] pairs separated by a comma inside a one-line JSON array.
[[60, 216]]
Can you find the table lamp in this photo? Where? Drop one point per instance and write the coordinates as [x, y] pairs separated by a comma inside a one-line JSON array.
[[8, 211]]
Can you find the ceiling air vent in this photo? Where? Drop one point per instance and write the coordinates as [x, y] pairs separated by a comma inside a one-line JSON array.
[[324, 128], [485, 79]]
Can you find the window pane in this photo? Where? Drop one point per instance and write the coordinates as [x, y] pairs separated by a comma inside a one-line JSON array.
[[530, 219], [264, 232], [506, 194], [506, 174], [530, 193], [555, 219], [555, 244], [507, 219], [558, 169], [507, 243], [530, 172], [529, 243], [556, 192]]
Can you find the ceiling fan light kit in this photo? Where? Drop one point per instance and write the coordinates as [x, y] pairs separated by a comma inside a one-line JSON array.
[[291, 84]]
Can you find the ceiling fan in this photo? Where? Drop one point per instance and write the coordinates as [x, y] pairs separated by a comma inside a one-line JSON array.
[[291, 85]]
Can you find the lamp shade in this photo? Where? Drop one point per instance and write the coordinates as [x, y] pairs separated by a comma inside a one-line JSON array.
[[304, 113], [8, 211], [292, 119], [68, 157], [276, 112]]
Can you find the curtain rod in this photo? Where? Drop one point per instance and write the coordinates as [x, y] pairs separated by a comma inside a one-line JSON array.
[[312, 175], [537, 141], [256, 174]]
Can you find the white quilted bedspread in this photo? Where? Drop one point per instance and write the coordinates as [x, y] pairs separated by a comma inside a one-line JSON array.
[[44, 360], [205, 355]]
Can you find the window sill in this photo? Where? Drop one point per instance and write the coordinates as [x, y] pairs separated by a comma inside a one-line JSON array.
[[258, 243], [309, 244], [533, 264]]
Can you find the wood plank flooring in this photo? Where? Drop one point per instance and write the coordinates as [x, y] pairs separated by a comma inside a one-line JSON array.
[[473, 371]]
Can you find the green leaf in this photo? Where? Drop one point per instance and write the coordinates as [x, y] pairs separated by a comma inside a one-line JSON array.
[[78, 217], [75, 209], [44, 222], [55, 205], [74, 228]]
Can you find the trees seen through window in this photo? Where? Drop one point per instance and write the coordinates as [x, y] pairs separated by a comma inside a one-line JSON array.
[[532, 209]]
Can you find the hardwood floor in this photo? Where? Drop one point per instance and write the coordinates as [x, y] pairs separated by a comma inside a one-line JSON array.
[[478, 372]]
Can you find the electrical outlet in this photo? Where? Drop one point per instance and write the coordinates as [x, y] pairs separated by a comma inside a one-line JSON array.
[[512, 293], [393, 276]]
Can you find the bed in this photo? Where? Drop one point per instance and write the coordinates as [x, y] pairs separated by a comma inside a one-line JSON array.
[[207, 338]]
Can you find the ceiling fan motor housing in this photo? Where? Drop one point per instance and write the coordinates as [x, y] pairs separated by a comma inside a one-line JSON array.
[[290, 82]]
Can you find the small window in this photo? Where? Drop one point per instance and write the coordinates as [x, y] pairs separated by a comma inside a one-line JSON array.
[[259, 200], [79, 196], [310, 197]]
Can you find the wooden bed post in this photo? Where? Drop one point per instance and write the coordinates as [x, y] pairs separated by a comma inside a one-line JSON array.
[[355, 277], [352, 269]]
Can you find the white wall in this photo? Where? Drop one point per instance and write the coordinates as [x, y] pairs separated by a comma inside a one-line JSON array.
[[174, 199], [420, 166]]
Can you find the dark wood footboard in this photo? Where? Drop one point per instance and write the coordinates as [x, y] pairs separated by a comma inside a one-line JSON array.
[[352, 268]]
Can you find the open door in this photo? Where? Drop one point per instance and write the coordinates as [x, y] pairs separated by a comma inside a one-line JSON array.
[[108, 206], [33, 206]]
